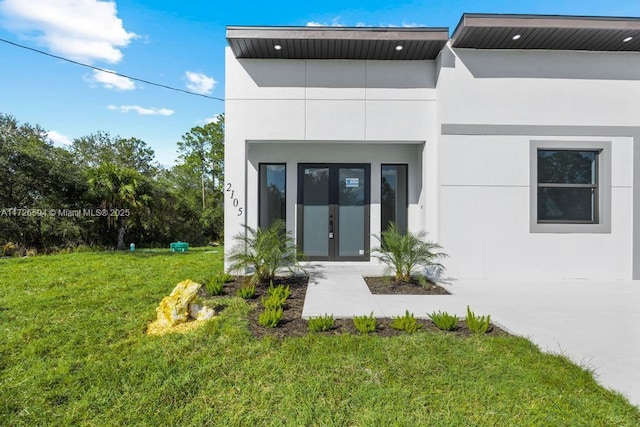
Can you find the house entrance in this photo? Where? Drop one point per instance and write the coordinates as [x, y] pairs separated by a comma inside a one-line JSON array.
[[333, 211]]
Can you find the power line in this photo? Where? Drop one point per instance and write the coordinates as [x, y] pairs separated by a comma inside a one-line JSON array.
[[109, 71]]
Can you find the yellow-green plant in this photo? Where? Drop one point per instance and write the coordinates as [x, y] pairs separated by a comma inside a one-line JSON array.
[[477, 324], [407, 323], [365, 324], [444, 321], [270, 318], [321, 323]]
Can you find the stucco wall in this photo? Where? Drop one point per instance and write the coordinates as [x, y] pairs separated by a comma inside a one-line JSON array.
[[505, 100], [334, 111]]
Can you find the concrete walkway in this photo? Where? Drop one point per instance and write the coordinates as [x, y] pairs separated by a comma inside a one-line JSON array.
[[594, 323]]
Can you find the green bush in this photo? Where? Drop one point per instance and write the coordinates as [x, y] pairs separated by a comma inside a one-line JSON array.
[[278, 294], [403, 253], [247, 291], [272, 302], [215, 284], [270, 318], [444, 321], [407, 323], [477, 324], [365, 324], [321, 323], [265, 251]]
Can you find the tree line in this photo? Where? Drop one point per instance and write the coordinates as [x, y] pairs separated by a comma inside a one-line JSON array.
[[108, 191]]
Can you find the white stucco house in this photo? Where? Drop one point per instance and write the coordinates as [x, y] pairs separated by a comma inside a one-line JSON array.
[[515, 141]]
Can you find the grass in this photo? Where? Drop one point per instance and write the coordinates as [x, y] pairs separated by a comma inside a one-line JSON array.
[[73, 352]]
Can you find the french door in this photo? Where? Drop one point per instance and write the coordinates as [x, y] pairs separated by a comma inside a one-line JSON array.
[[333, 211]]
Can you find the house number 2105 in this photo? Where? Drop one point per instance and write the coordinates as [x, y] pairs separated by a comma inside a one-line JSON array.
[[234, 200]]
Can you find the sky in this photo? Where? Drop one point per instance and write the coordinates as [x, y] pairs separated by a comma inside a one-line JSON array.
[[179, 44]]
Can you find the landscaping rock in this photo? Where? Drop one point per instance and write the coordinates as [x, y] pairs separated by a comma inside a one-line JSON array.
[[174, 309], [201, 312]]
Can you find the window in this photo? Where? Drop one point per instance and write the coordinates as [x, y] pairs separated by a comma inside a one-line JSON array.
[[393, 195], [272, 196], [570, 187]]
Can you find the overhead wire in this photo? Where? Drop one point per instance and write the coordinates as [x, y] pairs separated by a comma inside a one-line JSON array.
[[110, 71]]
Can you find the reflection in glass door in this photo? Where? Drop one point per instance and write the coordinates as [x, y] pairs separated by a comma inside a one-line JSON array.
[[333, 211]]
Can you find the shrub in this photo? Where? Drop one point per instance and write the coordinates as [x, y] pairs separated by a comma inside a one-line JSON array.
[[477, 325], [247, 291], [407, 323], [7, 248], [216, 283], [272, 302], [279, 293], [365, 324], [444, 321], [403, 253], [270, 318], [321, 324], [265, 251]]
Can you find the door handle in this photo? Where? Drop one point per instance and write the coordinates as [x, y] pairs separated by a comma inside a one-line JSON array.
[[331, 226]]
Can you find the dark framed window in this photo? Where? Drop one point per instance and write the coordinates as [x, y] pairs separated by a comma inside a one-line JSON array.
[[393, 196], [272, 197], [568, 186]]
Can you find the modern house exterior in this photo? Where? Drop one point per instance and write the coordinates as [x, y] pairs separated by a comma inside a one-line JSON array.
[[515, 142]]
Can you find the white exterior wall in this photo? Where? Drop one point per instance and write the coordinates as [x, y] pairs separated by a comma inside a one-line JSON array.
[[506, 99], [464, 124], [309, 111]]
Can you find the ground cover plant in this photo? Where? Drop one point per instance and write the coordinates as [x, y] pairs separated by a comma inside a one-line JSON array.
[[74, 352], [444, 320]]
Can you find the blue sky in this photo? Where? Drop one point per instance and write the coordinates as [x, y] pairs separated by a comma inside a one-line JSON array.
[[179, 44]]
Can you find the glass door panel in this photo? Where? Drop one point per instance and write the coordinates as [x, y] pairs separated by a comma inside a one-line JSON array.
[[315, 202], [351, 212]]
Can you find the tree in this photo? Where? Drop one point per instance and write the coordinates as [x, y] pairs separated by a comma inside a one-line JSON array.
[[36, 175], [202, 150], [100, 147], [122, 192]]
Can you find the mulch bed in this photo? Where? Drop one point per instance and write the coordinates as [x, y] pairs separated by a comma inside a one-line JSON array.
[[293, 325], [388, 286]]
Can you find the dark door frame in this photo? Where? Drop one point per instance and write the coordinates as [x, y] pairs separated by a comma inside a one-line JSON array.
[[334, 182]]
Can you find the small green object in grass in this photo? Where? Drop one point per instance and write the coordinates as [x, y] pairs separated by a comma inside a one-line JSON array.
[[321, 323], [365, 324], [444, 321], [477, 324], [407, 323], [270, 318]]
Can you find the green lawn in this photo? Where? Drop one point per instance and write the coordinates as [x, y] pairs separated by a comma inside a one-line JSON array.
[[73, 352]]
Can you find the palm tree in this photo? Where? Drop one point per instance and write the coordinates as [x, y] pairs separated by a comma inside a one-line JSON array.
[[121, 192]]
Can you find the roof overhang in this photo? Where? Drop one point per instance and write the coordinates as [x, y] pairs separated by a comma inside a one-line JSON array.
[[417, 43], [551, 32]]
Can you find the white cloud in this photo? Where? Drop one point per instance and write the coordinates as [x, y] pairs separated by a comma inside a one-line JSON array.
[[335, 22], [213, 119], [142, 110], [85, 30], [58, 138], [112, 81], [200, 83]]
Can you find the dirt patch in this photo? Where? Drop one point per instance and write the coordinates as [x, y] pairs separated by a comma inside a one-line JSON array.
[[293, 325], [389, 286]]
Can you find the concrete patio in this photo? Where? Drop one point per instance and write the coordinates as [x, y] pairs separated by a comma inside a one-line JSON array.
[[594, 323]]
